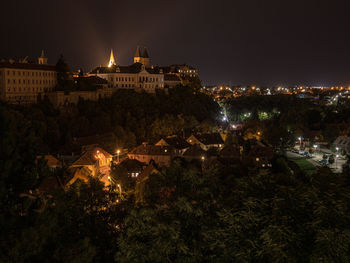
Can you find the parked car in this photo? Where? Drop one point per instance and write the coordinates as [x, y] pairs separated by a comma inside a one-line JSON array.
[[323, 162]]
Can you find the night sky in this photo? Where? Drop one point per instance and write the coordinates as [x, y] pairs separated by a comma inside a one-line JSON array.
[[260, 42]]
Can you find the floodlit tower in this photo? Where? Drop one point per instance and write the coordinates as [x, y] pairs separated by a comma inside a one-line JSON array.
[[145, 58], [42, 60], [137, 57], [111, 60]]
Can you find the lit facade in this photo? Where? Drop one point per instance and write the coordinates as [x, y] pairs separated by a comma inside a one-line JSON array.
[[22, 82], [137, 76]]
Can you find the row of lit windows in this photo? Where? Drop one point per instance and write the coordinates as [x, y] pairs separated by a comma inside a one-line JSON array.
[[32, 73], [123, 86], [29, 89], [184, 75], [112, 79], [133, 86], [150, 86], [23, 98], [150, 79], [24, 81], [187, 71], [131, 79]]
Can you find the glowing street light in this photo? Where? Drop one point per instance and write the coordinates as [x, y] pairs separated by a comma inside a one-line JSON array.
[[299, 142], [120, 189], [336, 161], [118, 152]]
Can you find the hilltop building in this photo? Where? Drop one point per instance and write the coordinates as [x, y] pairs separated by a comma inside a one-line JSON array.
[[138, 76], [180, 74], [23, 82], [144, 58]]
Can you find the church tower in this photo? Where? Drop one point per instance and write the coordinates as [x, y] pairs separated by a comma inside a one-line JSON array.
[[111, 60], [145, 58], [42, 60], [137, 57]]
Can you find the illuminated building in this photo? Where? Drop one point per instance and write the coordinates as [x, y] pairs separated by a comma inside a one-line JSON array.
[[183, 71], [161, 155], [22, 82], [94, 162], [143, 59], [138, 76]]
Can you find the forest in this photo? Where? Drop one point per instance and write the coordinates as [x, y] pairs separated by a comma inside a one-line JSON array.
[[183, 213]]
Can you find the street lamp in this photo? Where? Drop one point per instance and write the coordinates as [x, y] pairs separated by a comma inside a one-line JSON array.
[[336, 161], [299, 142], [118, 152], [120, 189]]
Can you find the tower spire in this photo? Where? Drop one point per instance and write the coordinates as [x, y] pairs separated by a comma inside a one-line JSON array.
[[42, 59], [145, 53], [111, 60], [138, 52]]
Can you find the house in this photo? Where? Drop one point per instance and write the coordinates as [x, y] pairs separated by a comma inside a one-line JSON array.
[[195, 152], [150, 169], [141, 182], [260, 154], [342, 143], [179, 144], [206, 140], [161, 155], [52, 162], [133, 167], [171, 80], [94, 161], [105, 140], [78, 173], [230, 152]]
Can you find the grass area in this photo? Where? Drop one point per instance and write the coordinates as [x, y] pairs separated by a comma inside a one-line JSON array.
[[304, 165]]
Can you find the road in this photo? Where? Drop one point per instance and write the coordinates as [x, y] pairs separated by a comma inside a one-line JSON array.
[[336, 167]]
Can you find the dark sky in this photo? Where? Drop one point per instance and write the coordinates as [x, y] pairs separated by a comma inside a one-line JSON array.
[[256, 42]]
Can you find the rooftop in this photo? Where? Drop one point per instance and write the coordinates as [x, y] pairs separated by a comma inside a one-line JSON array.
[[90, 156], [146, 149], [210, 138], [27, 65], [132, 69]]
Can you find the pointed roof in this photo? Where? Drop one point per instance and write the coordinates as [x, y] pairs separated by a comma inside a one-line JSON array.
[[194, 151], [91, 156], [145, 53], [138, 52], [42, 54], [111, 59]]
